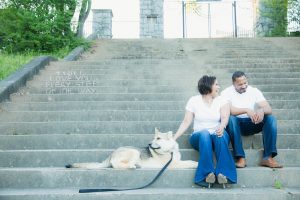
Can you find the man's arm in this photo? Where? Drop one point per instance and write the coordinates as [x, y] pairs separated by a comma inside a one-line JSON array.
[[239, 111], [265, 107], [257, 116]]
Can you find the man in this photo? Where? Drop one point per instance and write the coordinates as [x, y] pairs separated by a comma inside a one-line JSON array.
[[250, 114]]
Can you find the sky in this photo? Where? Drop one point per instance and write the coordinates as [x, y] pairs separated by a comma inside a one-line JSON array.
[[125, 22]]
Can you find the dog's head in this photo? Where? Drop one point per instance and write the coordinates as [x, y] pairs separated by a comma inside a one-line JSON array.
[[163, 143]]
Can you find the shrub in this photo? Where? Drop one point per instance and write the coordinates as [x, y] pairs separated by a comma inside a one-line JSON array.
[[41, 26]]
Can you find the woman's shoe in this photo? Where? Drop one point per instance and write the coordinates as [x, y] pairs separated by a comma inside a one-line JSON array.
[[222, 180], [210, 179]]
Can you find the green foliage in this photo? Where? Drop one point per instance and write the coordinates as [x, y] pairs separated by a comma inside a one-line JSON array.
[[273, 17], [9, 63], [294, 16], [277, 184], [37, 25]]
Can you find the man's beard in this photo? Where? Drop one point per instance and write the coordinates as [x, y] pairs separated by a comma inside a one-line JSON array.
[[241, 91]]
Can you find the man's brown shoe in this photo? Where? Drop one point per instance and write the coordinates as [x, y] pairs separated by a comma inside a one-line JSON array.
[[270, 162], [240, 163]]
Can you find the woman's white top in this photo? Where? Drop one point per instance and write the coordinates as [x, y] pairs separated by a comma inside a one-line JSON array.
[[205, 116]]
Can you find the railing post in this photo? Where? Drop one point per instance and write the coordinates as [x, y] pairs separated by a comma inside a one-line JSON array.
[[234, 19]]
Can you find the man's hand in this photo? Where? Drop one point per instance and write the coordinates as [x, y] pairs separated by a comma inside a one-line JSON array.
[[256, 117], [260, 116], [253, 116]]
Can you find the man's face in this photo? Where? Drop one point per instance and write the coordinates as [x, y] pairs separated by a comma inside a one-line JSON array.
[[240, 84]]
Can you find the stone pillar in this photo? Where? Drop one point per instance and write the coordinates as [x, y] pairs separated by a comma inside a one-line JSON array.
[[151, 18], [102, 24]]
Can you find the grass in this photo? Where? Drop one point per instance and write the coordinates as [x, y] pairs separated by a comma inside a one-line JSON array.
[[9, 63]]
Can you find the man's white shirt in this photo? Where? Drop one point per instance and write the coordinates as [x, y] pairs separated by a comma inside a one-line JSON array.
[[248, 99]]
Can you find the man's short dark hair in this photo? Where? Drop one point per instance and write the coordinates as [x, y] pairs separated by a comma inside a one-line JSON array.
[[237, 74], [205, 84]]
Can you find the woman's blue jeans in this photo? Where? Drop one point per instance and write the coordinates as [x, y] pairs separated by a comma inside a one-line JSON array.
[[206, 144], [244, 126]]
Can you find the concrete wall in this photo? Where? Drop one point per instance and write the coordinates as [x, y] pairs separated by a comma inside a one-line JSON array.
[[151, 19], [102, 24]]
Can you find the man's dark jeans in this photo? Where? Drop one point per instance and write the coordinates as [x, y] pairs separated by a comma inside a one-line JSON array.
[[244, 126]]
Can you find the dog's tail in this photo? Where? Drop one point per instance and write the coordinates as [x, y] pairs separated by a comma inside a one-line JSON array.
[[106, 163]]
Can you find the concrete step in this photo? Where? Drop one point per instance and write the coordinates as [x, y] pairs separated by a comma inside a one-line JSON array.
[[267, 193], [183, 96], [272, 74], [100, 74], [99, 127], [256, 65], [88, 74], [40, 81], [78, 73], [109, 105], [115, 115], [264, 70], [67, 68], [279, 88], [98, 139], [249, 55], [118, 62], [62, 178], [118, 105], [59, 158], [253, 60], [92, 87]]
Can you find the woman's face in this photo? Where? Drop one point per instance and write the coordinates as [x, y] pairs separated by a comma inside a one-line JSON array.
[[215, 89]]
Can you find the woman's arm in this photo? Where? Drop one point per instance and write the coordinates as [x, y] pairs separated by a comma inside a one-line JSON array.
[[188, 119], [225, 112]]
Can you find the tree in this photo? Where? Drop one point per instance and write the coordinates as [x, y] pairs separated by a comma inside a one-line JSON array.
[[272, 18], [84, 13], [39, 25]]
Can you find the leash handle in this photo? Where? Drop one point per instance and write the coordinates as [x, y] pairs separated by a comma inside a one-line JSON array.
[[137, 188]]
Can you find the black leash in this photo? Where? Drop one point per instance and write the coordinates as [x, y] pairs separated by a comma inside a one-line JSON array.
[[137, 188]]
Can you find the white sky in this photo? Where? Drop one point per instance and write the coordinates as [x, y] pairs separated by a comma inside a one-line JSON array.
[[126, 18]]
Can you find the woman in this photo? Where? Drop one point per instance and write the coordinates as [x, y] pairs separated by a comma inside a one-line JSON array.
[[210, 114]]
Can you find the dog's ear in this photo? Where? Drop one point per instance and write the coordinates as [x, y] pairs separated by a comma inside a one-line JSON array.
[[156, 131], [170, 134]]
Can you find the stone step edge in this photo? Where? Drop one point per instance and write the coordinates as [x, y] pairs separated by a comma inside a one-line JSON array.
[[60, 169], [149, 191], [112, 149]]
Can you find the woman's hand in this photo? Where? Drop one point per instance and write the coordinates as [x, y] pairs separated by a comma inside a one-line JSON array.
[[220, 131]]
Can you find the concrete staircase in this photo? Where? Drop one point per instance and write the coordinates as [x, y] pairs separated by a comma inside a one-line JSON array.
[[118, 93]]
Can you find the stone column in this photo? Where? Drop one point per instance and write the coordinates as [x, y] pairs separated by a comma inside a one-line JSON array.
[[102, 24], [151, 18]]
